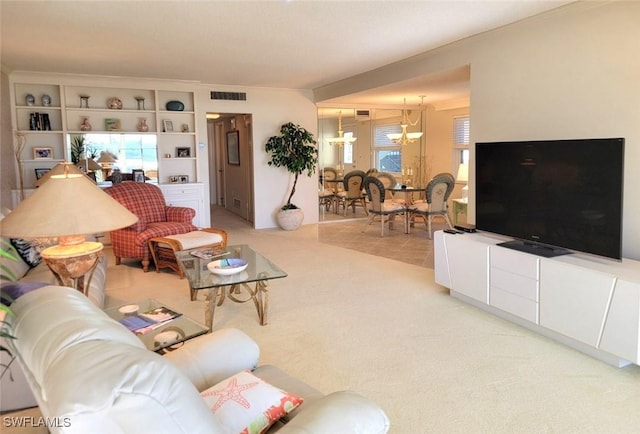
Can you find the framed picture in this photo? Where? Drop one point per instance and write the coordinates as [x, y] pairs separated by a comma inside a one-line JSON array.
[[167, 126], [233, 148], [40, 173], [42, 153], [185, 128], [112, 124], [179, 179], [183, 152], [137, 175]]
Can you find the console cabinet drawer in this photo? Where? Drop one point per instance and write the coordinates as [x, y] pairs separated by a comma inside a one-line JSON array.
[[180, 192], [514, 262], [515, 284], [515, 305]]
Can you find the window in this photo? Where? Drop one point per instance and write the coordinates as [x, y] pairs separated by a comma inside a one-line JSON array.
[[460, 140], [134, 151], [348, 148], [388, 155]]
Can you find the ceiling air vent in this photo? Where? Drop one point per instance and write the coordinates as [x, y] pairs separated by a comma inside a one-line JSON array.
[[362, 114], [229, 96]]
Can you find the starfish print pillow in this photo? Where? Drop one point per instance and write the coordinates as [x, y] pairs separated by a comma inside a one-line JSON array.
[[246, 404]]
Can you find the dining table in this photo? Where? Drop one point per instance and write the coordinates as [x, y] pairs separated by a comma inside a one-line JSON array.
[[408, 191]]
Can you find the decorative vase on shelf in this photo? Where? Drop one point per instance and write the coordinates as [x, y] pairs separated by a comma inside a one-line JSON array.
[[30, 100], [85, 125], [142, 125], [114, 103], [46, 100]]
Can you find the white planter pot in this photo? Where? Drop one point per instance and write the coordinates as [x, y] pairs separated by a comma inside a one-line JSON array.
[[290, 219]]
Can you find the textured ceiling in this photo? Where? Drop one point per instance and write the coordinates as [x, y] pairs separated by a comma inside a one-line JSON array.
[[283, 44]]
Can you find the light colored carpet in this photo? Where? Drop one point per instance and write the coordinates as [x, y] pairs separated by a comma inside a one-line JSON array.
[[343, 319]]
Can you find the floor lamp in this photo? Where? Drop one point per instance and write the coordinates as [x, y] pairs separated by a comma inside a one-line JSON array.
[[68, 207]]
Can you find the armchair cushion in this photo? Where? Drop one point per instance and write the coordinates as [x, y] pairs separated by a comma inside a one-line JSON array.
[[246, 403]]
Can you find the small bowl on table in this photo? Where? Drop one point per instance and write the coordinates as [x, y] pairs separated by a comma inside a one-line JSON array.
[[227, 267]]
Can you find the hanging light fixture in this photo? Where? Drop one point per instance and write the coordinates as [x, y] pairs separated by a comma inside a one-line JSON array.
[[340, 140], [405, 138]]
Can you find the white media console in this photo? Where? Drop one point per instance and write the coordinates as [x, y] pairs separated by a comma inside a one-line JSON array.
[[587, 303]]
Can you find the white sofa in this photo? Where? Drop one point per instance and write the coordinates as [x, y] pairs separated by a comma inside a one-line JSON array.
[[14, 388], [93, 375]]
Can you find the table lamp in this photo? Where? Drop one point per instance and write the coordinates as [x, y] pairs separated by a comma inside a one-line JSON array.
[[68, 207], [463, 176], [106, 161], [59, 169]]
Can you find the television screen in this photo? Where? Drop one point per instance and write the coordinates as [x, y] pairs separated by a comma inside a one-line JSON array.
[[556, 193]]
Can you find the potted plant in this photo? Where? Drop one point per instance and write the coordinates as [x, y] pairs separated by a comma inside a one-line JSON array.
[[295, 150]]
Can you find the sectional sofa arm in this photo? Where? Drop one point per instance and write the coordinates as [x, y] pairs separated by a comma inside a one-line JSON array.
[[343, 412], [180, 214], [211, 358]]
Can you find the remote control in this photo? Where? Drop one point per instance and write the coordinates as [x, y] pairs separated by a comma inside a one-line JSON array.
[[451, 231]]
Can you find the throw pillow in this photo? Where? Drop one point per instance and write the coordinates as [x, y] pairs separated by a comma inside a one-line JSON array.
[[11, 291], [244, 403], [12, 267], [28, 250]]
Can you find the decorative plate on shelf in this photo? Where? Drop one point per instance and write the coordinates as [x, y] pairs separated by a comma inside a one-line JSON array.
[[226, 267], [175, 106]]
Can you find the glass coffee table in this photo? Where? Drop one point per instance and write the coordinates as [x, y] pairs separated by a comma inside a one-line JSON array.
[[259, 271], [166, 335]]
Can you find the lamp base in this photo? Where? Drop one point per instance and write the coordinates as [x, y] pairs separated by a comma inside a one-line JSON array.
[[72, 265]]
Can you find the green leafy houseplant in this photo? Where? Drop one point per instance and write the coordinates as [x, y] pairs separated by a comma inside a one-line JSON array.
[[77, 149], [295, 150]]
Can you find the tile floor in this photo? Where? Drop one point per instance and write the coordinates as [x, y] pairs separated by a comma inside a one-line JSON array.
[[414, 248]]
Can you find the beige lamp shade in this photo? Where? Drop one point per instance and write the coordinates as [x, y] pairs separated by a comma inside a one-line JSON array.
[[59, 169], [66, 205], [106, 157], [89, 164], [463, 173], [463, 176]]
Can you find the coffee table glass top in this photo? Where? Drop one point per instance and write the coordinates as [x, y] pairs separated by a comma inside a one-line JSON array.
[[259, 268], [177, 330]]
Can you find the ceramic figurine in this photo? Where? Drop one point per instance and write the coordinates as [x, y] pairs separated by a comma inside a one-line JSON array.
[[85, 125], [30, 99], [46, 100]]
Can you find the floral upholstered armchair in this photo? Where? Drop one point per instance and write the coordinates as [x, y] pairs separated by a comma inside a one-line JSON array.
[[156, 219]]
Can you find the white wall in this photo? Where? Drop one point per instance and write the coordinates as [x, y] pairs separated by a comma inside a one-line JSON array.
[[573, 74], [570, 73], [270, 109]]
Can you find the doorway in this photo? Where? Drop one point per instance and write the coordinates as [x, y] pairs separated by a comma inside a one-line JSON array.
[[230, 141]]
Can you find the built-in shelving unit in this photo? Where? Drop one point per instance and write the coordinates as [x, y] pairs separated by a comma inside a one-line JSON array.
[[70, 105]]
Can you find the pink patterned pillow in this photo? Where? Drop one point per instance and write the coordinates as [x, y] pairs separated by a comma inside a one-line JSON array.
[[244, 403]]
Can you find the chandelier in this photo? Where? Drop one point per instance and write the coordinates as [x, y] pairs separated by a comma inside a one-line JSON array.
[[340, 140], [405, 138]]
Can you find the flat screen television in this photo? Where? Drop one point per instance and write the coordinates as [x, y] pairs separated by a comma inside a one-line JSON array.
[[552, 196]]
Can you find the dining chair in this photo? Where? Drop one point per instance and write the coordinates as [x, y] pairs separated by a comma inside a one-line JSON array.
[[388, 180], [386, 210], [352, 194], [325, 195], [328, 187], [437, 194]]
